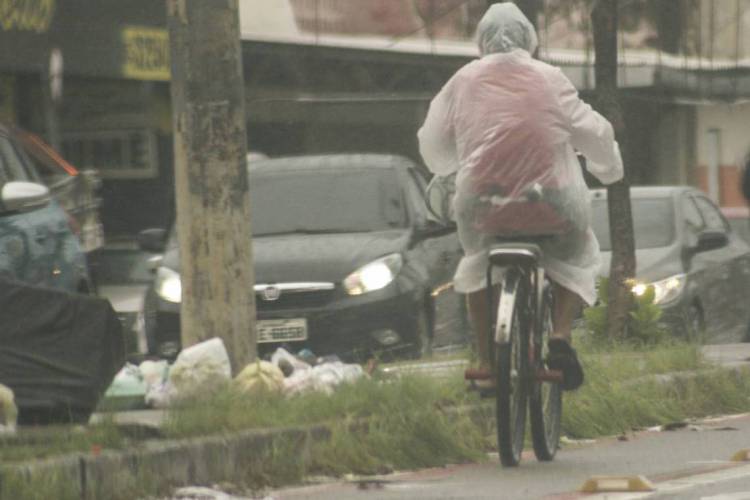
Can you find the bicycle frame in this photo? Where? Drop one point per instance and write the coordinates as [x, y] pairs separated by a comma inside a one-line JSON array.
[[520, 263]]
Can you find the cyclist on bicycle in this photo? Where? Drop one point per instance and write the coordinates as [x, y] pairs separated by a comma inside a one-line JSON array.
[[509, 125]]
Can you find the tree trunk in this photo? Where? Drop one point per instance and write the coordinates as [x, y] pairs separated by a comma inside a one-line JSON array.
[[622, 267], [211, 179]]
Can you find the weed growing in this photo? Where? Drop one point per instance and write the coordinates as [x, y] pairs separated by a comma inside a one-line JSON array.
[[618, 396], [37, 444], [40, 487]]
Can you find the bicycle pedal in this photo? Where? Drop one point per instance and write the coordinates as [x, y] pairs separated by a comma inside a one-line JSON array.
[[477, 374]]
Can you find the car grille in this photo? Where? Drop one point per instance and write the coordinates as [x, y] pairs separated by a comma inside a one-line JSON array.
[[292, 295], [294, 300]]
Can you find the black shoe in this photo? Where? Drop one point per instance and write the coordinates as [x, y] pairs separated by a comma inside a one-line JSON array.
[[563, 357]]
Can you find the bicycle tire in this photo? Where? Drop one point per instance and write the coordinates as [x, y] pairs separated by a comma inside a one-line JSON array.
[[511, 370], [545, 398]]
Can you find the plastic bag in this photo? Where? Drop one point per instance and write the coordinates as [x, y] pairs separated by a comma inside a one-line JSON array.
[[154, 372], [324, 377], [8, 410], [201, 368], [260, 376], [126, 392], [281, 356]]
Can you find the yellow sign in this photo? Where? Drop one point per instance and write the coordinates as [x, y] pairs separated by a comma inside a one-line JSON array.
[[26, 15], [146, 53]]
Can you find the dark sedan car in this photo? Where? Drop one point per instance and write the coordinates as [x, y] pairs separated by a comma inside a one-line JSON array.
[[684, 247], [347, 261]]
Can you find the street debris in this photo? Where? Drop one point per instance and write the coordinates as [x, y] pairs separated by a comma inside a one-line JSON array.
[[8, 410], [205, 368], [200, 368], [260, 376], [202, 493], [673, 426], [576, 442], [327, 372]]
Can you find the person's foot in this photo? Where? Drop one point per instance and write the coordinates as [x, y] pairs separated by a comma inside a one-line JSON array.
[[480, 379], [563, 357]]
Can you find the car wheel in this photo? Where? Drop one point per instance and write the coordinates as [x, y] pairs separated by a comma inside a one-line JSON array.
[[422, 343], [695, 323]]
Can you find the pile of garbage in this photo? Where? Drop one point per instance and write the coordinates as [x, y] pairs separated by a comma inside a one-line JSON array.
[[204, 368]]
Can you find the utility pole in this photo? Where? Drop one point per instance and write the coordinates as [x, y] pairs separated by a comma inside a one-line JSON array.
[[622, 267], [211, 179]]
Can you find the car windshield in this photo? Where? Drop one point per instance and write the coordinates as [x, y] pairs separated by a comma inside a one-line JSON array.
[[332, 200], [653, 222]]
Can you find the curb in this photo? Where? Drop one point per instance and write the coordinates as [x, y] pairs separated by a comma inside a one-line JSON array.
[[203, 460], [183, 462]]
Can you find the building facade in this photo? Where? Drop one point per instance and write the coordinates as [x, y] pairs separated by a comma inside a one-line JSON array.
[[92, 76]]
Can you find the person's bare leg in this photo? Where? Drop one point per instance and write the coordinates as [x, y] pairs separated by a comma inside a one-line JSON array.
[[567, 307], [480, 322]]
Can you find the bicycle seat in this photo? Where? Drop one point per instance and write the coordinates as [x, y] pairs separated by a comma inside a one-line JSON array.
[[525, 250]]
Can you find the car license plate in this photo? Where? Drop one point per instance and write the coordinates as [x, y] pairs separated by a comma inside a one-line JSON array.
[[281, 330]]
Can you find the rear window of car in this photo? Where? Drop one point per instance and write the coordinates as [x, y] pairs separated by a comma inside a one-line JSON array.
[[326, 200], [653, 222]]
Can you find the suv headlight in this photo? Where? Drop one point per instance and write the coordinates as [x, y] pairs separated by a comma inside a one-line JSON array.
[[373, 276], [665, 290], [168, 285]]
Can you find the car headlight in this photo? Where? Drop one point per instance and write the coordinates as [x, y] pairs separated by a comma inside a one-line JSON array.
[[665, 290], [168, 285], [373, 276]]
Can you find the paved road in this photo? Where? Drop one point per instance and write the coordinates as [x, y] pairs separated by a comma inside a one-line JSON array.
[[688, 463]]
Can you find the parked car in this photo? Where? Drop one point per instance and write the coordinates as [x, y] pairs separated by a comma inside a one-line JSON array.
[[739, 220], [347, 261], [75, 190], [687, 250], [37, 243], [124, 274]]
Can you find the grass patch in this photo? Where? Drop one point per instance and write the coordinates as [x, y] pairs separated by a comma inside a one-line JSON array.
[[378, 426], [31, 444], [17, 486], [618, 397], [381, 425]]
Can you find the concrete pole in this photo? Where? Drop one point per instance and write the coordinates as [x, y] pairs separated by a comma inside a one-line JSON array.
[[211, 180]]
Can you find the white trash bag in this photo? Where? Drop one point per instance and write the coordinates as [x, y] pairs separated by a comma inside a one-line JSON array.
[[8, 410], [324, 377], [200, 369]]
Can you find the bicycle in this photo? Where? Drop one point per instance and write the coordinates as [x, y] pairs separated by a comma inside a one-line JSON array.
[[522, 325]]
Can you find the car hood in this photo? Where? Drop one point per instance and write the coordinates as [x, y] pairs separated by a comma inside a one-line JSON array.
[[124, 298], [652, 264], [316, 257]]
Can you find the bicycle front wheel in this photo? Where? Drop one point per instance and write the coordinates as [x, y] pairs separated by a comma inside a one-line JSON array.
[[511, 370], [545, 398]]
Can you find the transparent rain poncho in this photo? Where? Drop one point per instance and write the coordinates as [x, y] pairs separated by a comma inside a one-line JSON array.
[[508, 124]]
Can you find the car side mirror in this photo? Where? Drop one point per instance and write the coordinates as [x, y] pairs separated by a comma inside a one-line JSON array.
[[17, 196], [152, 240], [710, 240]]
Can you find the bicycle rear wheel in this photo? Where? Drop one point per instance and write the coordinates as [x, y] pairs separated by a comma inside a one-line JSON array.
[[545, 398], [511, 369]]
